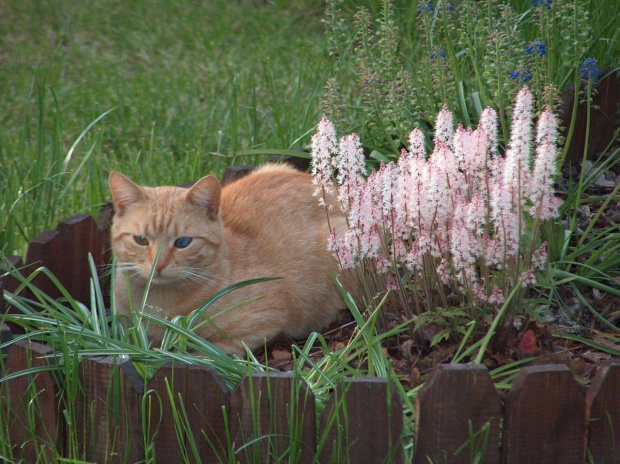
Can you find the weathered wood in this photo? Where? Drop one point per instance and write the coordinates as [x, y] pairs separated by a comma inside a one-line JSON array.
[[601, 121], [362, 422], [301, 163], [104, 223], [192, 392], [33, 403], [457, 406], [8, 283], [272, 415], [6, 335], [207, 402], [110, 411], [544, 418], [169, 379], [233, 173], [65, 253], [603, 406]]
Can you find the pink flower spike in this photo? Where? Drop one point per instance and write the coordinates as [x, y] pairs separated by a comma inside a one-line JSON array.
[[341, 250], [416, 144], [547, 128], [517, 166], [462, 146], [539, 257], [496, 298], [351, 168], [541, 191], [479, 159], [444, 127], [488, 121], [323, 146]]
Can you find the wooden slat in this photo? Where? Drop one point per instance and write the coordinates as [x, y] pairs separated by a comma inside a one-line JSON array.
[[603, 404], [9, 283], [111, 412], [233, 173], [275, 414], [599, 120], [198, 394], [544, 418], [207, 402], [104, 223], [65, 253], [362, 422], [6, 335], [169, 446], [456, 401], [34, 418], [300, 163]]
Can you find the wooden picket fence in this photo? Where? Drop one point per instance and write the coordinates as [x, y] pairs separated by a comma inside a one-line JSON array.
[[545, 417]]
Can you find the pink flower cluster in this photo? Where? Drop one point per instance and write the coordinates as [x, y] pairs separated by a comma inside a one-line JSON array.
[[461, 209]]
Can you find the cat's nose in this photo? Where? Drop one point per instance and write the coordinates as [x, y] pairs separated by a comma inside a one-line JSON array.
[[162, 262], [160, 266]]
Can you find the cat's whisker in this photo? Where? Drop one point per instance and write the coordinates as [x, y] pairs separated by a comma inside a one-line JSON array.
[[125, 267], [198, 275]]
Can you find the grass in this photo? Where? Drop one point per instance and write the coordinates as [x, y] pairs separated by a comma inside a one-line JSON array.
[[190, 88], [169, 91], [74, 332]]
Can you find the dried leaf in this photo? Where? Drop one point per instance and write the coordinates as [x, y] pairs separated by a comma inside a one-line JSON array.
[[528, 343]]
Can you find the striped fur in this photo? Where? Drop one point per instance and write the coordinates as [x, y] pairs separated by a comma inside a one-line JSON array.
[[267, 224]]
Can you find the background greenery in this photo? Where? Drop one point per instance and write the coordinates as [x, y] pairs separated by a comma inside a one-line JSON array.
[[189, 84], [167, 91], [182, 88]]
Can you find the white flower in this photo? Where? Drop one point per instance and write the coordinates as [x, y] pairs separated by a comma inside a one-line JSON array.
[[323, 146], [444, 127]]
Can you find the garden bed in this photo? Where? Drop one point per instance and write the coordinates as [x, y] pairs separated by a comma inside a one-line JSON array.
[[458, 408]]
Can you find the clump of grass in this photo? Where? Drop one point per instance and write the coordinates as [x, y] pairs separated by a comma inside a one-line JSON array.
[[75, 331]]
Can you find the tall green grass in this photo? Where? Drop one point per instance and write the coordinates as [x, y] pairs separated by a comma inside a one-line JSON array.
[[178, 90], [75, 331]]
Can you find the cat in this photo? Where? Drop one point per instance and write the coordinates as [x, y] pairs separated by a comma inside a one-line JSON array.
[[267, 224]]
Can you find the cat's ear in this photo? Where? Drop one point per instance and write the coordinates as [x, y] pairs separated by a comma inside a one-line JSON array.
[[124, 191], [206, 194]]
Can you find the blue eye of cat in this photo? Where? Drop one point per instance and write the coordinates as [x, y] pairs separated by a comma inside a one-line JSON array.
[[182, 242], [141, 240]]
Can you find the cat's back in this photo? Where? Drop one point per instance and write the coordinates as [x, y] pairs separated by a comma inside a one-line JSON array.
[[273, 199], [275, 227]]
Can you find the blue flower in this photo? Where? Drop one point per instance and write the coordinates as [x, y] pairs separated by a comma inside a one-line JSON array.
[[536, 47], [438, 53], [539, 3], [521, 76], [426, 7], [590, 70]]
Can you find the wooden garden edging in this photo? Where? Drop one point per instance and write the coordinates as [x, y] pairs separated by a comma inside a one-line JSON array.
[[545, 417]]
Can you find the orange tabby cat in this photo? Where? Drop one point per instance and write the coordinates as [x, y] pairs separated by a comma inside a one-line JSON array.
[[267, 224]]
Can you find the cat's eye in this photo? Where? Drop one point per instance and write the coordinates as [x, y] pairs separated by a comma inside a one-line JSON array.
[[141, 240], [182, 242]]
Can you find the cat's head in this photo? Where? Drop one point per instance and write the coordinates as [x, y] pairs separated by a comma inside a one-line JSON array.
[[174, 230]]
